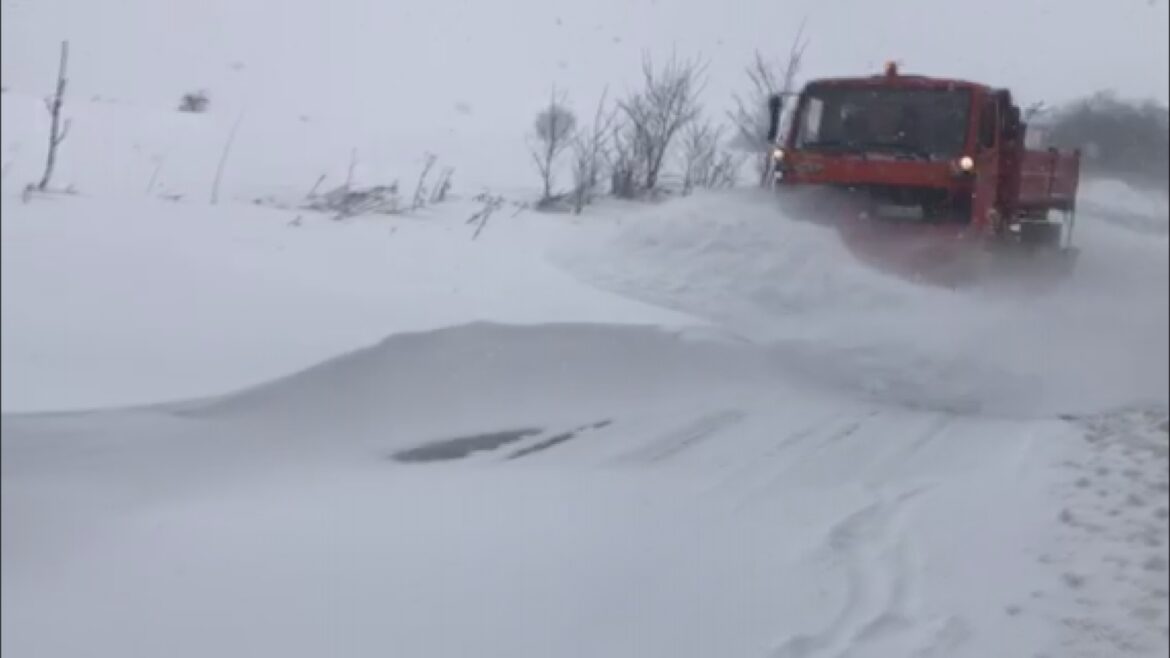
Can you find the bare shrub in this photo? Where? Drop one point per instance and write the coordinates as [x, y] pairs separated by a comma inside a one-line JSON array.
[[195, 101], [590, 152], [347, 201], [625, 162], [751, 116], [351, 200], [443, 186], [420, 190], [706, 165], [667, 102], [554, 127]]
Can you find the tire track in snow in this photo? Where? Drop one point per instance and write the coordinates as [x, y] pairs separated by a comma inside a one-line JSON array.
[[848, 430], [927, 436], [881, 614], [680, 439], [764, 460], [816, 439]]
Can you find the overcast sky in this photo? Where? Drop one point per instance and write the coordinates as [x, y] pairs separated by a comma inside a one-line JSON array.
[[1046, 48], [501, 56]]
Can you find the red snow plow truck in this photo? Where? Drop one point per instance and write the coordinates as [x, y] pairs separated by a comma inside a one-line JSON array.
[[943, 161]]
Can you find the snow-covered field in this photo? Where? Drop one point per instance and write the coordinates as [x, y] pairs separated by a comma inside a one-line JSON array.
[[694, 428]]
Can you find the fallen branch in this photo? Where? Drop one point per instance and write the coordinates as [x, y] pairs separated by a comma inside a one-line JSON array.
[[490, 205], [313, 190]]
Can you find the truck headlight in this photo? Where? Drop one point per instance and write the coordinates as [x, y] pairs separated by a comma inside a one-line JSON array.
[[966, 163], [777, 154]]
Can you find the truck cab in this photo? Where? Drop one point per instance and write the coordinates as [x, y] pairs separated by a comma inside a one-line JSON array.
[[951, 150]]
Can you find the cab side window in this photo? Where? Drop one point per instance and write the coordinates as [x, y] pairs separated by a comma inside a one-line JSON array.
[[814, 111], [988, 124]]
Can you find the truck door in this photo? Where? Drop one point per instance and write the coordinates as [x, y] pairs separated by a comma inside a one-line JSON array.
[[1011, 138], [983, 206]]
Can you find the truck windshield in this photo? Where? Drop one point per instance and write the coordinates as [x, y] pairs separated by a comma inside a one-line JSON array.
[[921, 123]]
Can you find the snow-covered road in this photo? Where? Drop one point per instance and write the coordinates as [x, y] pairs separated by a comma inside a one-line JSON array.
[[790, 463], [689, 429]]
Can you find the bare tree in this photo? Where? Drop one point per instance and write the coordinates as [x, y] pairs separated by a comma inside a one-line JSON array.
[[1120, 138], [57, 130], [554, 127], [589, 155], [751, 116], [667, 102], [725, 172], [1034, 110]]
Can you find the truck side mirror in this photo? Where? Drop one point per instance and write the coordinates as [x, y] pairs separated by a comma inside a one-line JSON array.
[[774, 105]]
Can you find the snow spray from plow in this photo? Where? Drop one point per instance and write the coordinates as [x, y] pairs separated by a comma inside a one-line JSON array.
[[1040, 342], [941, 254]]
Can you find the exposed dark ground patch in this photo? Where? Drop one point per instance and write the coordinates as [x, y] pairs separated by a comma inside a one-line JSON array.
[[557, 439], [460, 447]]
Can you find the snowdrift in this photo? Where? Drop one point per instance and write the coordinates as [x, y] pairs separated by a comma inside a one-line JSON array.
[[163, 301], [486, 376], [566, 489]]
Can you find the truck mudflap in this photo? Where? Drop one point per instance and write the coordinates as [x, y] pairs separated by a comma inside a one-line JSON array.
[[1045, 234], [1041, 235]]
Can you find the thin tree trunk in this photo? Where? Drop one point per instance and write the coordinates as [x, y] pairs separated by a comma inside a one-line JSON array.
[[227, 147], [56, 136]]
